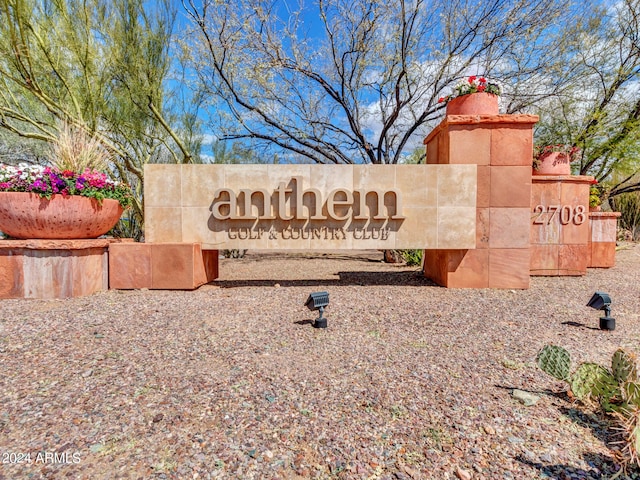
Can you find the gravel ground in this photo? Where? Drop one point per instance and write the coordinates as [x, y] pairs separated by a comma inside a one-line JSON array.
[[410, 380]]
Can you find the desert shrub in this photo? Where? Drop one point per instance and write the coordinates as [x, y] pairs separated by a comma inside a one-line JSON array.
[[628, 204], [412, 257]]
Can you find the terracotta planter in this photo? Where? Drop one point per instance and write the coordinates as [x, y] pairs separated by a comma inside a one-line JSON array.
[[597, 208], [473, 104], [553, 163], [26, 216]]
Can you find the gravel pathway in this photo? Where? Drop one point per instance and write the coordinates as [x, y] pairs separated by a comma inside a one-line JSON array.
[[410, 380]]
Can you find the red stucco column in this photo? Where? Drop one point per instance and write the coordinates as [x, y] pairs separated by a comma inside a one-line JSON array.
[[560, 225], [502, 148]]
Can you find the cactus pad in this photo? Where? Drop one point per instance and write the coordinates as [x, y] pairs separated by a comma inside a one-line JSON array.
[[631, 431], [593, 381], [555, 361], [623, 366], [631, 393]]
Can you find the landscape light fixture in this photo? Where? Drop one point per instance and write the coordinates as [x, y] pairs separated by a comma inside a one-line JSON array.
[[317, 301], [602, 301]]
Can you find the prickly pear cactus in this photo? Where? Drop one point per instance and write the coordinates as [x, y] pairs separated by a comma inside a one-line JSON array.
[[630, 423], [631, 393], [623, 366], [593, 381], [555, 361]]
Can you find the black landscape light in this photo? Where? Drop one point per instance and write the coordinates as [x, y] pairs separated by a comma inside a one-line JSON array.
[[317, 301], [602, 301]]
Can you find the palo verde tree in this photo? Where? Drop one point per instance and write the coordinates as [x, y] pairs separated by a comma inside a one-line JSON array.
[[357, 81], [598, 109], [98, 66]]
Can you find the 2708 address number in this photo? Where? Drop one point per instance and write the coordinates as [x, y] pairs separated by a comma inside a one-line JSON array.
[[566, 213]]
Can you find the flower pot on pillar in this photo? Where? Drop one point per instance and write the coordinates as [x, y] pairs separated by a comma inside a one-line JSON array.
[[26, 215], [480, 103], [552, 163]]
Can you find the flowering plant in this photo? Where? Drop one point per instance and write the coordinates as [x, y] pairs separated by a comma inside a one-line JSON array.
[[568, 153], [473, 84], [48, 181]]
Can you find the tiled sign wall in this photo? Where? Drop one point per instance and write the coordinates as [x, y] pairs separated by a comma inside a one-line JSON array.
[[312, 206]]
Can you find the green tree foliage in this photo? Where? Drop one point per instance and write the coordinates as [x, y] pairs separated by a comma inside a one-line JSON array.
[[98, 66], [598, 107]]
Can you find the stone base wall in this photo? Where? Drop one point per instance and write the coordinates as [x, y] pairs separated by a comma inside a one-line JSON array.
[[53, 268], [164, 266]]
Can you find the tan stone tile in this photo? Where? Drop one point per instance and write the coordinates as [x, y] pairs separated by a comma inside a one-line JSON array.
[[456, 228], [162, 224], [284, 173], [457, 185], [162, 185], [296, 180], [334, 234], [245, 234], [369, 177], [247, 176], [199, 226], [329, 177], [295, 235], [419, 230], [418, 184], [199, 184]]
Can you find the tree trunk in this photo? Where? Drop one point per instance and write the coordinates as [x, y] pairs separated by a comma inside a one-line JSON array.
[[393, 256]]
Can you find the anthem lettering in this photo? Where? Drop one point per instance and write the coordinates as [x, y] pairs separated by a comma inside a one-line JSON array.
[[289, 201]]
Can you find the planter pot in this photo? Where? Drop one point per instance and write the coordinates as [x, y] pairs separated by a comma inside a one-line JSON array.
[[597, 208], [473, 104], [26, 215], [554, 163]]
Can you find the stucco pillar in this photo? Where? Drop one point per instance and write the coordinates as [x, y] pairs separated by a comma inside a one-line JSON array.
[[560, 224], [502, 148]]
